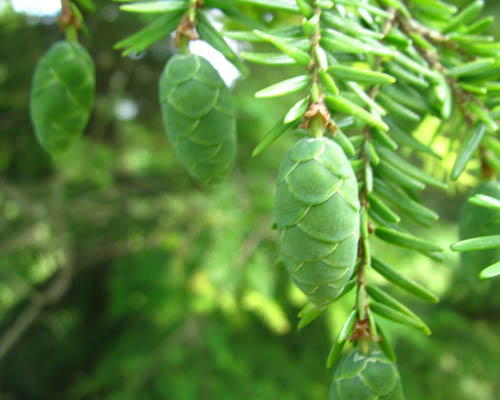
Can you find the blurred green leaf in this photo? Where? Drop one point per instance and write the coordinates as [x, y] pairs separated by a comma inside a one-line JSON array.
[[467, 149], [155, 7], [491, 271], [479, 243], [285, 87], [208, 33]]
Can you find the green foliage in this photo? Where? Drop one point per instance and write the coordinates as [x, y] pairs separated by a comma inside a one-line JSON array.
[[157, 30], [317, 215], [62, 95], [397, 97], [198, 116]]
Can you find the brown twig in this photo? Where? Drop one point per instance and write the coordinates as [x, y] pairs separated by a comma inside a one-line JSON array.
[[410, 28], [67, 16], [186, 31], [317, 107], [38, 302], [460, 96], [362, 328]]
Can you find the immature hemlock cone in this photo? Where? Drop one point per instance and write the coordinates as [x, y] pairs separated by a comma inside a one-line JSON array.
[[366, 377], [477, 221], [317, 213], [62, 95], [198, 116]]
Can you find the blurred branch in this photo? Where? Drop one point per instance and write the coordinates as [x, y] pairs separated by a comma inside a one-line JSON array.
[[24, 239], [98, 207], [34, 208], [262, 232], [21, 324], [38, 302], [60, 284], [87, 258]]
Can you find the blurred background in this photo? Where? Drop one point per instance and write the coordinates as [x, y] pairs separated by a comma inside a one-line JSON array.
[[122, 278]]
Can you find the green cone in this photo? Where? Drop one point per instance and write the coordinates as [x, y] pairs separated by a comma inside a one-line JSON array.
[[198, 116], [366, 377], [477, 221], [317, 213], [62, 95]]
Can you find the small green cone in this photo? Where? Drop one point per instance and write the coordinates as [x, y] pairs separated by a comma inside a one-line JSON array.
[[62, 95], [198, 116], [366, 377], [317, 213]]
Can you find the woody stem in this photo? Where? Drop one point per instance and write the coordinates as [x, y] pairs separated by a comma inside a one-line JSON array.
[[364, 325]]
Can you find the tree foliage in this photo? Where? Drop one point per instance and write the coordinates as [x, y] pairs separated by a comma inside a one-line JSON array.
[[396, 96]]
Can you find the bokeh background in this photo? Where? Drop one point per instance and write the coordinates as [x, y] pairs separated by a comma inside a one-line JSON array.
[[123, 279]]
